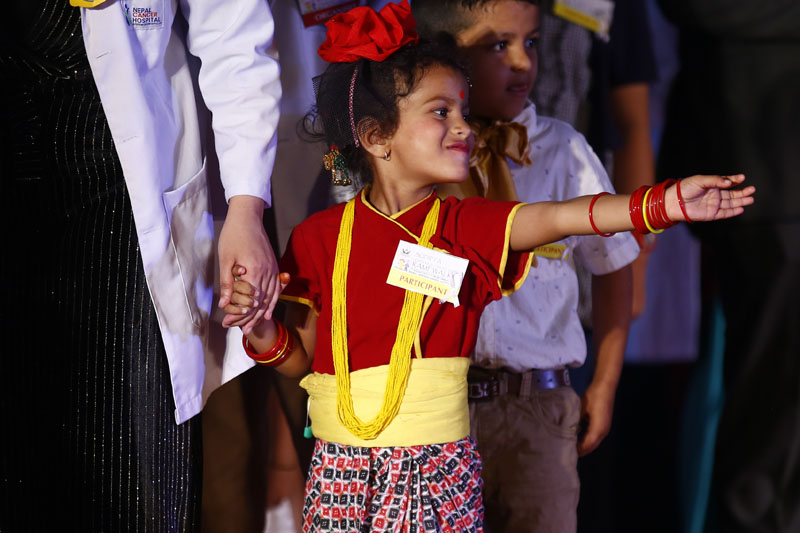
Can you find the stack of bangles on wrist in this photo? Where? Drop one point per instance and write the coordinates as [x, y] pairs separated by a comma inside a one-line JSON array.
[[275, 355], [647, 209]]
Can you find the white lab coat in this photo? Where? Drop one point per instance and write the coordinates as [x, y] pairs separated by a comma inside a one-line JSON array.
[[140, 63]]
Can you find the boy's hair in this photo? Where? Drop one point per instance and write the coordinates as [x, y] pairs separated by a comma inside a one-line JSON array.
[[451, 17], [376, 88]]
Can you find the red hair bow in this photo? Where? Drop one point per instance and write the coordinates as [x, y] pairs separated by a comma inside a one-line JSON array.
[[363, 32]]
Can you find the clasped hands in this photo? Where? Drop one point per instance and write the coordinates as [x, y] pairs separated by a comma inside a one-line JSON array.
[[244, 308]]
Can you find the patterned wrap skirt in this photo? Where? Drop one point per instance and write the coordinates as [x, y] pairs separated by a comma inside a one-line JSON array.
[[415, 489]]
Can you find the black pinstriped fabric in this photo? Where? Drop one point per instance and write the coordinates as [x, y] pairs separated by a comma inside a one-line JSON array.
[[89, 441]]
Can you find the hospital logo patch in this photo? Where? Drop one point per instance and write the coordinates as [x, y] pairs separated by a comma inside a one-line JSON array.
[[144, 15]]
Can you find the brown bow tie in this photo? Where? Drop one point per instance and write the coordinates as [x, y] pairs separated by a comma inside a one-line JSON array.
[[489, 175]]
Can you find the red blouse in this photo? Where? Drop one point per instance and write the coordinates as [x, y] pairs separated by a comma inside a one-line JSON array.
[[475, 229]]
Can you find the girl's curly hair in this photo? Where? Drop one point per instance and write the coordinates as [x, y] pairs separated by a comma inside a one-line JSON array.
[[377, 88]]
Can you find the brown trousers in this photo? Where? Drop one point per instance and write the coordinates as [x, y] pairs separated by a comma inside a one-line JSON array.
[[528, 446]]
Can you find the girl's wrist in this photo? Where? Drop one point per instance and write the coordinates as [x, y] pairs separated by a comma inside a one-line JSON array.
[[672, 204], [269, 353], [264, 335]]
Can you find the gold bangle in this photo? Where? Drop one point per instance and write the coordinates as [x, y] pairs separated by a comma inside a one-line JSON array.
[[644, 213]]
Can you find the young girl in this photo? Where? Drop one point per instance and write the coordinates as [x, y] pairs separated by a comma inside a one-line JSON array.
[[388, 399]]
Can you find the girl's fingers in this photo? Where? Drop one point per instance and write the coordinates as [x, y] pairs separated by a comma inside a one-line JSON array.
[[743, 193], [279, 283], [238, 310], [243, 300], [243, 287], [739, 197]]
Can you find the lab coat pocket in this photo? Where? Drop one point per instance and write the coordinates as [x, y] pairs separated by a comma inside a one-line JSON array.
[[192, 241]]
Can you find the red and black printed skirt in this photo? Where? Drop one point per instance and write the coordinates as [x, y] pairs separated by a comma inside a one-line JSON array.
[[416, 489]]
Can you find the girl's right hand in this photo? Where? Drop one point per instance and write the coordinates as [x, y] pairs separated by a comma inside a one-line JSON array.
[[242, 304]]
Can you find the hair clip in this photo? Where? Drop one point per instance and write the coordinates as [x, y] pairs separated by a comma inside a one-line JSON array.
[[334, 161]]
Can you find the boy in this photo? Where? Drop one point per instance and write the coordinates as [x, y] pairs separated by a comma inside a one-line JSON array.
[[524, 414]]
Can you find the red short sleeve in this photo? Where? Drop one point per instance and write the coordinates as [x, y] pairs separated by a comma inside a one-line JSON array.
[[479, 230], [304, 286]]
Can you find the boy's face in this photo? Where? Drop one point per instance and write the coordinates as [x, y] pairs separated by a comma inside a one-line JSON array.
[[501, 48]]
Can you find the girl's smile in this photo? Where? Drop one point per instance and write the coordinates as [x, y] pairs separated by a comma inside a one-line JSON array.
[[433, 141]]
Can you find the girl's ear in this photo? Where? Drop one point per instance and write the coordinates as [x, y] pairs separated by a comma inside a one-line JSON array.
[[371, 137]]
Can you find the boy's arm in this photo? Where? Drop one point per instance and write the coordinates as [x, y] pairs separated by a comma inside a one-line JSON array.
[[611, 318]]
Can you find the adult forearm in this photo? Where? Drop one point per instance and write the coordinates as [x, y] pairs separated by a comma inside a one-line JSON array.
[[634, 165], [633, 160]]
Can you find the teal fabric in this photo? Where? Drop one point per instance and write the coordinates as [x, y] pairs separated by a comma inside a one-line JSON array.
[[702, 410]]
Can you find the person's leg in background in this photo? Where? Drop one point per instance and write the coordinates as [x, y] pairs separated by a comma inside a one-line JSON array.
[[529, 451], [757, 464], [252, 479]]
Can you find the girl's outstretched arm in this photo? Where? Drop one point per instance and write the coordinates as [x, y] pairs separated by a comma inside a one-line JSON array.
[[705, 198]]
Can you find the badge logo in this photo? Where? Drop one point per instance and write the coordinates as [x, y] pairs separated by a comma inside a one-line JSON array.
[[141, 17]]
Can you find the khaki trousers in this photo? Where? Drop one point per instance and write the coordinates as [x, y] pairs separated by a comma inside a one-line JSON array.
[[528, 446]]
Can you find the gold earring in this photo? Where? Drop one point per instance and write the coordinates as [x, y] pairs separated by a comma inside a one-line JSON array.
[[387, 156]]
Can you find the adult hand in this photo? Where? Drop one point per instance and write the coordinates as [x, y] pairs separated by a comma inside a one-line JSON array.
[[243, 241], [597, 408]]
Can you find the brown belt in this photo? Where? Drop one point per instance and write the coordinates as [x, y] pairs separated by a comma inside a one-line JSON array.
[[485, 383]]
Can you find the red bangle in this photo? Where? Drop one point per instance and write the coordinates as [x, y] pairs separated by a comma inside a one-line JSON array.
[[662, 204], [653, 211], [680, 202], [276, 355], [635, 210], [283, 354], [656, 211], [591, 218]]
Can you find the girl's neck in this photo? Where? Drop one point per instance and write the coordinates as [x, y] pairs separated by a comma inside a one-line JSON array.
[[393, 198]]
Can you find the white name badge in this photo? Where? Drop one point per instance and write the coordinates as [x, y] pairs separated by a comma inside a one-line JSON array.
[[427, 271]]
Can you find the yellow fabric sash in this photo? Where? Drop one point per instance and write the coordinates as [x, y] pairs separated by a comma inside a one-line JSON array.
[[434, 409], [489, 175], [86, 3], [407, 329]]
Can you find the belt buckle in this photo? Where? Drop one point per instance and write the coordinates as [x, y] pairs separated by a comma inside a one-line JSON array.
[[551, 378], [483, 390]]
